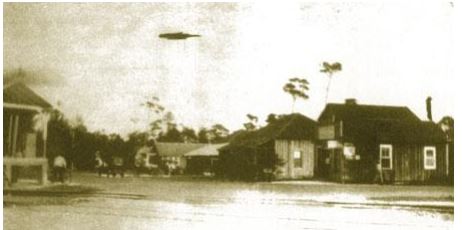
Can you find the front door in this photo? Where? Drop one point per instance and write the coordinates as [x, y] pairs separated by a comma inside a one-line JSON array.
[[323, 163]]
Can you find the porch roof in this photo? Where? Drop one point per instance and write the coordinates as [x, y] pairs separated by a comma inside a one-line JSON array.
[[206, 151], [18, 95], [166, 149]]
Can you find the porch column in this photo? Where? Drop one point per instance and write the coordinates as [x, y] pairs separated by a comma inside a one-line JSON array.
[[44, 177], [447, 159]]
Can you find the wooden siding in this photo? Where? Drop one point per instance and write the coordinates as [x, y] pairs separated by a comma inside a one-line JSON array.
[[408, 163], [285, 149]]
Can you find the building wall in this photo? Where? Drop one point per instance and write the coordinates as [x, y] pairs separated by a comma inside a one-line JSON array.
[[198, 165], [408, 164], [285, 149]]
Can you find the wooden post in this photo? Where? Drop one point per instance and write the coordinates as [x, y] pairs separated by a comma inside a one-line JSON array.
[[44, 173], [15, 134], [447, 159], [342, 159], [10, 137], [381, 173]]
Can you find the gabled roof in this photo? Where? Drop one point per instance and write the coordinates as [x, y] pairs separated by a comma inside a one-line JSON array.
[[20, 94], [369, 112], [166, 149], [207, 150], [288, 127], [373, 123]]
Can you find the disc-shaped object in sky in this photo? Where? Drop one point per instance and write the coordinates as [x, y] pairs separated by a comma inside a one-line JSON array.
[[177, 36]]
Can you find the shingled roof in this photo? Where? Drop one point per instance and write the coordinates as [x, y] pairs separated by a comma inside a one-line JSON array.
[[206, 151], [167, 149], [369, 112], [20, 94], [382, 124], [288, 127]]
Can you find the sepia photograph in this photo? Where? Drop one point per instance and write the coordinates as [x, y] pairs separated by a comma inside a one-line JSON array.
[[229, 115]]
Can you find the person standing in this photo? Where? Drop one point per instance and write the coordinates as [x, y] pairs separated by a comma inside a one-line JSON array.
[[100, 164], [59, 167]]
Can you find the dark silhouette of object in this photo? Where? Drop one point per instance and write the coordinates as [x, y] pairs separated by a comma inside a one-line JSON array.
[[59, 168], [429, 108], [118, 167], [177, 36], [378, 174], [101, 165]]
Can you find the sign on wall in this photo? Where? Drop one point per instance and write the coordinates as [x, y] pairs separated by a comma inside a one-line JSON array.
[[333, 144], [349, 151]]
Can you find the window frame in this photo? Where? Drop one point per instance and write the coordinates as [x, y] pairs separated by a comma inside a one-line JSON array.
[[300, 158], [390, 157], [425, 158]]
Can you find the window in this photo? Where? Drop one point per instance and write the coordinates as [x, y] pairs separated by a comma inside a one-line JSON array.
[[429, 157], [386, 156], [297, 159]]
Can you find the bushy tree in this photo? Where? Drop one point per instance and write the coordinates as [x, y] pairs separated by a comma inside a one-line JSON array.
[[271, 118], [171, 135], [251, 124], [59, 138], [217, 133], [189, 135]]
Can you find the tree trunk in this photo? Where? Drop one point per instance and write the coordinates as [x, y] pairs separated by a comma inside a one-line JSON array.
[[293, 104], [328, 86]]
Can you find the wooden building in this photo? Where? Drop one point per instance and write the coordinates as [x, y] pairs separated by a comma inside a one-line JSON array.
[[24, 134], [367, 143], [284, 149], [174, 153], [203, 161]]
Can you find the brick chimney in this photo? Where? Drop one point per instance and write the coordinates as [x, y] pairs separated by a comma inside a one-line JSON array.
[[429, 108], [350, 101]]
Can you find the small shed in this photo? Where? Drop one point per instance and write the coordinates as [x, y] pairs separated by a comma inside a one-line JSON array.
[[25, 122], [283, 149]]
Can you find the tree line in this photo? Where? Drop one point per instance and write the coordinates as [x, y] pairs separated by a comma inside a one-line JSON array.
[[79, 145]]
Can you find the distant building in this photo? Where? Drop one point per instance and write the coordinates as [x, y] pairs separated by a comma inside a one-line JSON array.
[[174, 153], [204, 160], [24, 133], [285, 149], [365, 143]]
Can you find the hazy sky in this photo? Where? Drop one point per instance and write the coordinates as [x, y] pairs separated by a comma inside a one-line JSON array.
[[105, 59]]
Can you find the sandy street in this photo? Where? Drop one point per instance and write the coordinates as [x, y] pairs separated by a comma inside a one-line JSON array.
[[198, 203]]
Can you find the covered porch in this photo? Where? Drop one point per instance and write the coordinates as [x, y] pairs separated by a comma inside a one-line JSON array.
[[24, 135]]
